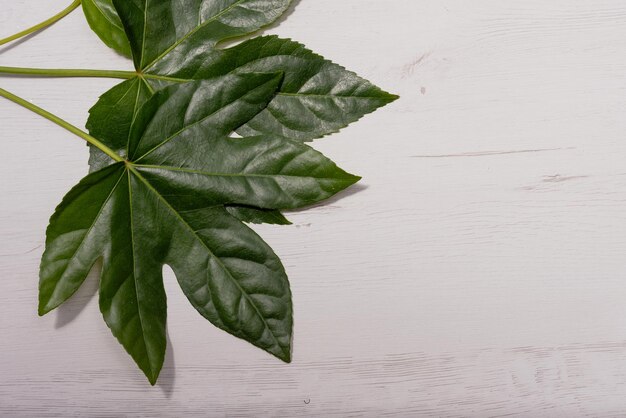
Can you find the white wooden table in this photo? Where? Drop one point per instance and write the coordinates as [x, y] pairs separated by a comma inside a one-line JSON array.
[[479, 272]]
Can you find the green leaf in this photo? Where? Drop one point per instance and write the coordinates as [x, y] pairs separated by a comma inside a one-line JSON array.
[[132, 297], [96, 220], [317, 97], [111, 119], [248, 292], [105, 22], [160, 28], [165, 205], [71, 252]]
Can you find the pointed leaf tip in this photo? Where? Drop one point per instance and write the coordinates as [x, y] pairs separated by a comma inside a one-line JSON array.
[[286, 357], [153, 377], [43, 309], [392, 97]]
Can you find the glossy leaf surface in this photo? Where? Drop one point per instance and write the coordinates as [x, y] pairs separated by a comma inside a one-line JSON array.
[[105, 22], [165, 205], [111, 121], [177, 28], [317, 97]]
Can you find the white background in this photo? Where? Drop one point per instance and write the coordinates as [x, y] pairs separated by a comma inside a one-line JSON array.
[[479, 270]]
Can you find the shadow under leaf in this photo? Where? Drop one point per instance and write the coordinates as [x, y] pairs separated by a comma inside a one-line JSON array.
[[71, 309]]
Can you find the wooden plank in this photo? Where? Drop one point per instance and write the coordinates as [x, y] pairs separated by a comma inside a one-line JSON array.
[[478, 271]]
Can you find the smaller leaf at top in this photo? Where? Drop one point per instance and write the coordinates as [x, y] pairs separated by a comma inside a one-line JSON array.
[[317, 98], [105, 22], [159, 28]]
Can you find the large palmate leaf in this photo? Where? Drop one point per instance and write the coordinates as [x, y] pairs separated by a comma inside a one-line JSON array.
[[164, 204], [104, 21]]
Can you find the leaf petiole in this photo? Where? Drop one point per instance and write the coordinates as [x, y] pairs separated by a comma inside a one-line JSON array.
[[62, 123], [65, 72], [43, 24], [52, 72]]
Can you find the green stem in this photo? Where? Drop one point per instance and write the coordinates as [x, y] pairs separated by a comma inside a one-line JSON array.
[[90, 139], [43, 24], [52, 72]]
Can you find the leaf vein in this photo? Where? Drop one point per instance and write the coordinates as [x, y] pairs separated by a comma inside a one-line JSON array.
[[217, 259], [188, 35]]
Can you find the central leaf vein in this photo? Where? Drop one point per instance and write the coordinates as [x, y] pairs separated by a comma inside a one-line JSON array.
[[243, 293], [132, 243]]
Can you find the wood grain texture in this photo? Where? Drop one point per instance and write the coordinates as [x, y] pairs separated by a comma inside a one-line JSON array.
[[479, 271]]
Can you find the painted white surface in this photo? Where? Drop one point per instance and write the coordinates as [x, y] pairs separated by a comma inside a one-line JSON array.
[[480, 271]]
